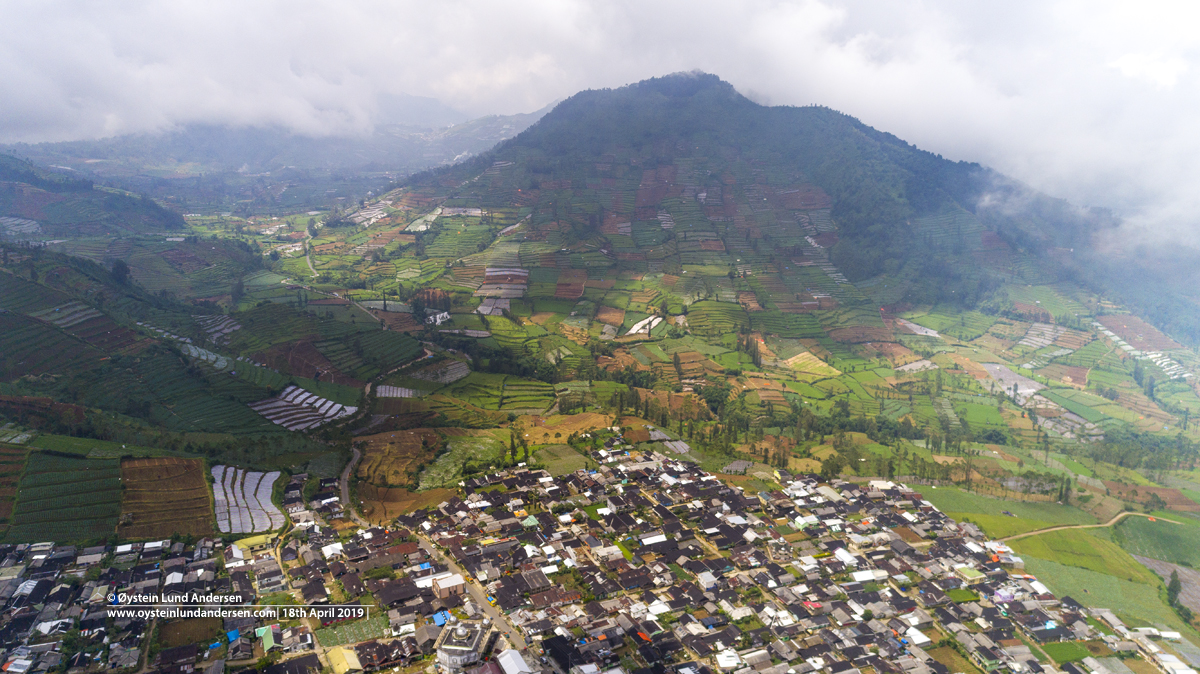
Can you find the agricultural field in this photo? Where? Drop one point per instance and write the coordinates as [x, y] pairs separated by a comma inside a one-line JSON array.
[[395, 458], [66, 498], [1076, 547], [1175, 543], [12, 463], [298, 410], [242, 500], [1129, 600], [560, 459], [164, 496], [465, 452], [384, 504], [988, 512]]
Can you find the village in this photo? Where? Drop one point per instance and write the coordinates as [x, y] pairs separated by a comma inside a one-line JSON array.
[[646, 565]]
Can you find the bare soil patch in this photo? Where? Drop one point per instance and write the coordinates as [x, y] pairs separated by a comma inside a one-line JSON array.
[[1139, 333], [383, 504], [164, 496], [395, 458]]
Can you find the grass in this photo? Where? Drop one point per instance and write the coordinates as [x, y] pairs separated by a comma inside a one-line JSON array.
[[987, 512], [961, 596], [560, 459], [1066, 651], [953, 660], [1075, 547]]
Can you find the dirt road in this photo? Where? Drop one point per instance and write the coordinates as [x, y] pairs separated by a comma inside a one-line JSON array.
[[1114, 520], [344, 483]]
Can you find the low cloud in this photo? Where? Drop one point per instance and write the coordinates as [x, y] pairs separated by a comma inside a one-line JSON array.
[[1090, 101]]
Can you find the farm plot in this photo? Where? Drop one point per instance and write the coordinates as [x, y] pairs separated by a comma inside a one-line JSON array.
[[387, 391], [365, 355], [12, 462], [1138, 333], [1075, 547], [353, 632], [385, 504], [242, 500], [298, 410], [66, 498], [217, 327], [446, 372], [1005, 379], [164, 496], [526, 394], [1178, 544], [1127, 599], [716, 318], [466, 451], [393, 458]]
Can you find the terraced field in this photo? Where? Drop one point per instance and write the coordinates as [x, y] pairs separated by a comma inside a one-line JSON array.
[[66, 498]]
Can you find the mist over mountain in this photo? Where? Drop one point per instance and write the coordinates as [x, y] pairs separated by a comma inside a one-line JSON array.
[[413, 133]]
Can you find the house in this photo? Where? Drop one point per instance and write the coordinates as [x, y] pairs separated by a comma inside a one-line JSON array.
[[450, 586]]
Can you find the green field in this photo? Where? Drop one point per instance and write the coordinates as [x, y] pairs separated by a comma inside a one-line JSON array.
[[465, 454], [1128, 599], [1066, 651], [560, 459], [1176, 543], [987, 512], [1076, 547], [66, 498]]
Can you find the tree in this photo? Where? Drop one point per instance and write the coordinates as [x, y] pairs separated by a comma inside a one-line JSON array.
[[120, 271], [1173, 588]]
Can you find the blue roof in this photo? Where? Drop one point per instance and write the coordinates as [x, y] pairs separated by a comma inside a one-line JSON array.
[[440, 618], [233, 635]]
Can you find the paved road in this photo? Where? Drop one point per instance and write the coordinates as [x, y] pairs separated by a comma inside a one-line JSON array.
[[1118, 518], [345, 485], [498, 618]]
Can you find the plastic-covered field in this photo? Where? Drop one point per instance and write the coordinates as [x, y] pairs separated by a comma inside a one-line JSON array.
[[243, 500]]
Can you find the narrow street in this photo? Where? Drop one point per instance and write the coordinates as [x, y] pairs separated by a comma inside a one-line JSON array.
[[498, 618], [344, 483]]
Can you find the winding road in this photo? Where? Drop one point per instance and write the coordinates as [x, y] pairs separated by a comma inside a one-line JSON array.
[[1114, 520]]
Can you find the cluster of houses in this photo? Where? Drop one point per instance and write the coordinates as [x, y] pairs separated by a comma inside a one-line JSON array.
[[651, 564], [646, 565]]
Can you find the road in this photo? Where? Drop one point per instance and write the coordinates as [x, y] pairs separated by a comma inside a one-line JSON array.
[[345, 485], [308, 254], [1118, 518], [498, 618]]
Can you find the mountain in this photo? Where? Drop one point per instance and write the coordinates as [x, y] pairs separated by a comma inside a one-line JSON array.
[[926, 228]]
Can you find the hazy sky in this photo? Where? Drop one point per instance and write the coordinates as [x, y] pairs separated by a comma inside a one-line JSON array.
[[1092, 101]]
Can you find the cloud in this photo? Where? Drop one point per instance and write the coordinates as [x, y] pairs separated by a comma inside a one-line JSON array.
[[1091, 101]]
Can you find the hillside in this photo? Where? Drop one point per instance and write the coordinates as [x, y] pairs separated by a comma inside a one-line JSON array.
[[749, 288], [39, 204]]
